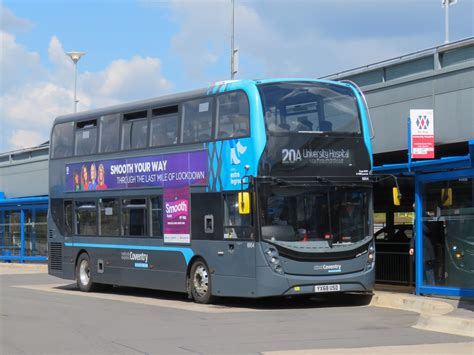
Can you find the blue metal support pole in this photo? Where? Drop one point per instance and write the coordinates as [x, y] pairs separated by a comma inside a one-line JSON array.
[[409, 144], [2, 232], [33, 231], [22, 236], [418, 234]]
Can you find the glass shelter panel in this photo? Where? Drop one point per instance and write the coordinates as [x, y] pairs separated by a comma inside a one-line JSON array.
[[448, 233]]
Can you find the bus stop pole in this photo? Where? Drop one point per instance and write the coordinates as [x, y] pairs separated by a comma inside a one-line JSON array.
[[418, 235], [22, 236], [409, 143]]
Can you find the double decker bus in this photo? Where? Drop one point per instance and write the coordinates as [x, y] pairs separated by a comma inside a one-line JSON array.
[[249, 188]]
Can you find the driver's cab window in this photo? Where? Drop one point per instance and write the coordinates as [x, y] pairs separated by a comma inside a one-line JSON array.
[[236, 225]]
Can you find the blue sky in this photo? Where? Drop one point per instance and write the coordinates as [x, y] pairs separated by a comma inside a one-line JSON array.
[[146, 48]]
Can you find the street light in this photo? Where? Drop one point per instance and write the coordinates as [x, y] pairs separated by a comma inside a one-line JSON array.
[[234, 59], [446, 4], [75, 56]]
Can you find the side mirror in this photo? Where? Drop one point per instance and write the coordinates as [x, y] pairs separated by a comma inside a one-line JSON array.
[[244, 202], [447, 197], [397, 196]]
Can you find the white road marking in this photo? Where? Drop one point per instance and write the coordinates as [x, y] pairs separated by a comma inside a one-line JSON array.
[[446, 348]]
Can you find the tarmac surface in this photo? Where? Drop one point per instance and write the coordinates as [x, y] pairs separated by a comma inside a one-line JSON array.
[[40, 314]]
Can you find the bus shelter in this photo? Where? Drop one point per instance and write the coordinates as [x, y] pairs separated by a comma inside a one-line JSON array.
[[23, 228], [444, 222]]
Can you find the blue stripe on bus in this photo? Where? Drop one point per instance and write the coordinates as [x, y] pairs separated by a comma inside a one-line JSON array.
[[187, 252]]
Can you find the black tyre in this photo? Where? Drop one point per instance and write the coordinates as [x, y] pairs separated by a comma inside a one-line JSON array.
[[83, 274], [200, 282]]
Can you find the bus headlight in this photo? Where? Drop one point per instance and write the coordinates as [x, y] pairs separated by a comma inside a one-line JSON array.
[[272, 257], [370, 257]]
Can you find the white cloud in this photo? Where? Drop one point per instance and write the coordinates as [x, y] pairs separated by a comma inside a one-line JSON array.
[[25, 138], [18, 65], [32, 95], [35, 105], [132, 79], [10, 22], [306, 38]]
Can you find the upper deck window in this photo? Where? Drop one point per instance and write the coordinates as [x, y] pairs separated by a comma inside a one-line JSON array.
[[109, 133], [232, 115], [134, 130], [310, 107], [62, 140], [164, 126], [86, 137], [197, 120]]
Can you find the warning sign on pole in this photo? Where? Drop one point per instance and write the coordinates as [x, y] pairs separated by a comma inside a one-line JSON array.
[[422, 134]]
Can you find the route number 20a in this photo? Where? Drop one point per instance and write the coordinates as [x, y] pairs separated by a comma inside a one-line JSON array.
[[290, 156]]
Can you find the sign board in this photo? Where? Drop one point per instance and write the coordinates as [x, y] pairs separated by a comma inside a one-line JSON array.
[[422, 134], [176, 218]]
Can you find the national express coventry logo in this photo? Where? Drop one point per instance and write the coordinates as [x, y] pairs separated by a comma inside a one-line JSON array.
[[422, 122]]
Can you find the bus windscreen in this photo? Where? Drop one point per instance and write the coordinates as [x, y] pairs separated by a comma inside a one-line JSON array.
[[302, 107], [304, 214]]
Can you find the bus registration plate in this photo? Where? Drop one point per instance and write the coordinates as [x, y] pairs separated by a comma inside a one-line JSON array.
[[327, 288]]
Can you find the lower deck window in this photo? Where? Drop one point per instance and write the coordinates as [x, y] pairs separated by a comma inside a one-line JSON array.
[[86, 218], [134, 217], [157, 216], [109, 217]]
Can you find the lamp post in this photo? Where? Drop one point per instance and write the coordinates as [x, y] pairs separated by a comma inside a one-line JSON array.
[[75, 56], [446, 4], [233, 50]]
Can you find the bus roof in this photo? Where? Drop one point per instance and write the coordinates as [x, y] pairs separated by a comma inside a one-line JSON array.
[[174, 98]]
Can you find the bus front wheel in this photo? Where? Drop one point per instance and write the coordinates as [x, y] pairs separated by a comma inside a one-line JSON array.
[[200, 282], [83, 274]]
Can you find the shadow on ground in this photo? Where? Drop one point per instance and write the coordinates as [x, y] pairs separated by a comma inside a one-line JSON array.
[[268, 303]]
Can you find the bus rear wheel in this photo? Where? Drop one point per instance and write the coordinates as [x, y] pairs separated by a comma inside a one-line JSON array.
[[83, 274], [200, 282]]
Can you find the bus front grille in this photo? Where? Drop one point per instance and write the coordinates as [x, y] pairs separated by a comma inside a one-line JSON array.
[[56, 256]]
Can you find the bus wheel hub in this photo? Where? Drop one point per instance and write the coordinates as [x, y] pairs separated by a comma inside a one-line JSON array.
[[201, 280]]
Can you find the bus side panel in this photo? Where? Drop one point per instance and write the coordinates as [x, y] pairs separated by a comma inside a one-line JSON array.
[[234, 286], [134, 264]]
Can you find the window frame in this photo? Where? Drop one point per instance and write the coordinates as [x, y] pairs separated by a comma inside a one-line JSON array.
[[212, 99], [99, 216], [178, 125], [77, 130], [76, 221], [150, 218], [147, 233], [122, 125], [73, 141], [216, 118], [119, 118], [250, 226]]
